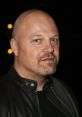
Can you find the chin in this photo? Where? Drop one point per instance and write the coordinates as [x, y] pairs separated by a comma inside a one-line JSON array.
[[46, 72]]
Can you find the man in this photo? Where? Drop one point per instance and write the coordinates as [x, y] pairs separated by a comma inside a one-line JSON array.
[[28, 89]]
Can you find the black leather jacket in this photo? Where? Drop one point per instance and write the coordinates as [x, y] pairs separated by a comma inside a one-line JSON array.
[[18, 97]]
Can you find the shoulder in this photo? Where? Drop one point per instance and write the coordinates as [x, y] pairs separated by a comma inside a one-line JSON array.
[[60, 85], [3, 94], [62, 88], [4, 80], [66, 94], [7, 92], [6, 87]]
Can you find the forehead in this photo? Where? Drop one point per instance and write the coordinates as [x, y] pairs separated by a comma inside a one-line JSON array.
[[36, 21]]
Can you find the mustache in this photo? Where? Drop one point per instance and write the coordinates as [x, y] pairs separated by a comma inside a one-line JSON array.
[[47, 56]]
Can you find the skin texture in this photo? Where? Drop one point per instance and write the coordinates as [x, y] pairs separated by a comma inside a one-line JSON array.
[[35, 44]]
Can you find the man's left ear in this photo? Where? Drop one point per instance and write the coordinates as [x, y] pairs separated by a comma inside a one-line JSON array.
[[14, 47]]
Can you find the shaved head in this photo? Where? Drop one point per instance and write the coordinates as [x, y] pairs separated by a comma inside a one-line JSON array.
[[28, 16], [35, 44]]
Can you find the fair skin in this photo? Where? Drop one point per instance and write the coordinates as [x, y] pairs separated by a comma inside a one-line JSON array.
[[35, 45]]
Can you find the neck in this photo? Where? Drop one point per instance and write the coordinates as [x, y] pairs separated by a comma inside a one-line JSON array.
[[41, 82]]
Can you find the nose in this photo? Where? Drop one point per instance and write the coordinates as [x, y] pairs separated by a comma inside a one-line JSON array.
[[49, 47]]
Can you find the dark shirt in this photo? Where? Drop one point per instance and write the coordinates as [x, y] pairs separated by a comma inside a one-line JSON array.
[[47, 108]]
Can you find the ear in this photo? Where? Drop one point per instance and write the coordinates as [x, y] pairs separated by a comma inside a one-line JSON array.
[[14, 46]]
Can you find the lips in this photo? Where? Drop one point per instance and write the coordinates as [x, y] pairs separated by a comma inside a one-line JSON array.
[[47, 59]]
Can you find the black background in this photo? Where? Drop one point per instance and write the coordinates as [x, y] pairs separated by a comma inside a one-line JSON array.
[[68, 16]]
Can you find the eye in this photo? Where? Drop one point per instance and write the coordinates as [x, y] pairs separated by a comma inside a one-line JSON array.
[[37, 41], [55, 40]]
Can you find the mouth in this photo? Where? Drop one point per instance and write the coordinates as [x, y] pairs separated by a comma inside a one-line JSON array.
[[48, 60]]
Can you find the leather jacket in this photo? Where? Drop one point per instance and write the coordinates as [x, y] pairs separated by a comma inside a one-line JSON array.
[[18, 97]]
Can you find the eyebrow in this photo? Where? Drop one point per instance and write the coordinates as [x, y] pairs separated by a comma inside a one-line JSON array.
[[56, 35], [38, 35]]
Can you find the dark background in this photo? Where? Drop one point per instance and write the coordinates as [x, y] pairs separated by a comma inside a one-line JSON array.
[[68, 18]]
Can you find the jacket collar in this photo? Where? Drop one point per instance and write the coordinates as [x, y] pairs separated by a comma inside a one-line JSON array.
[[24, 82], [28, 83]]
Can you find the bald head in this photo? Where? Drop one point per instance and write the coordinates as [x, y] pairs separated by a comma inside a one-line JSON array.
[[35, 40], [28, 18]]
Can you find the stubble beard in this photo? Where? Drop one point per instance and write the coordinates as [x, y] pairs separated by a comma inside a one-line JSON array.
[[48, 69], [47, 64]]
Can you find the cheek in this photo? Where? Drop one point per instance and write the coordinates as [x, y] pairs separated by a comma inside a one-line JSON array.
[[28, 53], [31, 55], [56, 52]]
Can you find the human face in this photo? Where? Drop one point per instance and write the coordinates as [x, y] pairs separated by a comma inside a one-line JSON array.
[[38, 47]]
